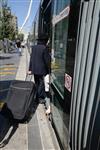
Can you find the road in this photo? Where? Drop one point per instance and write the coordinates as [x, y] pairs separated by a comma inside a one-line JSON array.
[[8, 68]]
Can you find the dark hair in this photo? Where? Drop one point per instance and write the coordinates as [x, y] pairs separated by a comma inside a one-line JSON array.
[[42, 37]]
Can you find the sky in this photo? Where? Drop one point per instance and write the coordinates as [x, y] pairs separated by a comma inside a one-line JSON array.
[[20, 9]]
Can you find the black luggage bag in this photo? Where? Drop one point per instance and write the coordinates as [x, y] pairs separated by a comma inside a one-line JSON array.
[[20, 99]]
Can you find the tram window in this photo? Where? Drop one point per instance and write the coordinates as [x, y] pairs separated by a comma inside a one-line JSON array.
[[60, 5], [60, 39]]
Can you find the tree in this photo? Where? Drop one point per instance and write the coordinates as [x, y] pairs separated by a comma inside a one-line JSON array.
[[7, 28], [20, 36]]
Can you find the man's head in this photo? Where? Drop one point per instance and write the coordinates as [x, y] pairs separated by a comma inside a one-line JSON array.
[[43, 37]]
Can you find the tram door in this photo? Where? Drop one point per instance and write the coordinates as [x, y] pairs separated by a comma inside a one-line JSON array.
[[85, 106], [65, 22]]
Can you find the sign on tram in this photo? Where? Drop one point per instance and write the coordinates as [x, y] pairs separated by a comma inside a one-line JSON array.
[[61, 16], [68, 82]]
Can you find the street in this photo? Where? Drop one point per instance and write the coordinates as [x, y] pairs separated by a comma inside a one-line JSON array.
[[8, 68]]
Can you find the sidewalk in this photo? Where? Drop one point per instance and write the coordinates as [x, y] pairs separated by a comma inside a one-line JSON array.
[[38, 134]]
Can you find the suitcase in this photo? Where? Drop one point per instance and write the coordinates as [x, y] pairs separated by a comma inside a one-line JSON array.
[[20, 99]]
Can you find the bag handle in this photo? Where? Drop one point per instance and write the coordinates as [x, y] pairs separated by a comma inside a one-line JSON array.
[[28, 77]]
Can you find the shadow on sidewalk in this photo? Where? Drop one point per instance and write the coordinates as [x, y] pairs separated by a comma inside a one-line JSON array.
[[5, 57], [7, 123]]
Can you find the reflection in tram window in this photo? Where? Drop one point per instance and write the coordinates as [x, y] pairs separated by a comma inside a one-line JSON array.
[[60, 36], [60, 5]]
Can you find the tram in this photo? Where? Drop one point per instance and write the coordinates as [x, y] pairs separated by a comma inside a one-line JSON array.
[[73, 27]]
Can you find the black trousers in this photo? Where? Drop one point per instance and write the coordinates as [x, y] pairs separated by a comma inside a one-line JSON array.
[[40, 88]]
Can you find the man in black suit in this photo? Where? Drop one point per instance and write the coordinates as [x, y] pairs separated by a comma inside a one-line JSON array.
[[40, 65]]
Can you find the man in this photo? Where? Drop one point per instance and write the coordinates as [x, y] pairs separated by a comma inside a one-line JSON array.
[[18, 43], [40, 65]]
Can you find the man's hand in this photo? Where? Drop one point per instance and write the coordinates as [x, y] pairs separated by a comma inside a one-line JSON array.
[[29, 72]]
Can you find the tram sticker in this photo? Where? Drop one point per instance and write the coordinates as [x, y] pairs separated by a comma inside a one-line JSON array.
[[61, 15], [68, 82]]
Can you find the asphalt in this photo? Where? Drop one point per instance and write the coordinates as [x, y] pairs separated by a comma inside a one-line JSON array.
[[38, 134], [9, 63]]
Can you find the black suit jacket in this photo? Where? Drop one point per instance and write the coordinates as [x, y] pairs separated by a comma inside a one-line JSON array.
[[39, 60]]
